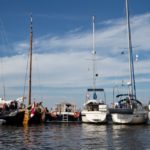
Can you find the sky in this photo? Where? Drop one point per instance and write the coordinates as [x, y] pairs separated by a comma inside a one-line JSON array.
[[62, 46]]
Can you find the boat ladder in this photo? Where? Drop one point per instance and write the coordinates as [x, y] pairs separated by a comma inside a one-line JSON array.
[[65, 118]]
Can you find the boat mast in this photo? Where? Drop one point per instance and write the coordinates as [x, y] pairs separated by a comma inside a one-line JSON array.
[[94, 54], [131, 64], [30, 61]]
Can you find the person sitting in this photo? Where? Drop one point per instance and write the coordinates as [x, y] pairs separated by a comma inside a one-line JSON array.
[[46, 109], [94, 95], [12, 107]]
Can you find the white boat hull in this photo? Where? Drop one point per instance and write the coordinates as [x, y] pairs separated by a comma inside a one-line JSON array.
[[135, 118], [149, 112], [149, 115], [93, 116]]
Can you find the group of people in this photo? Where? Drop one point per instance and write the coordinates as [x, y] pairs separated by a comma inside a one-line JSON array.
[[123, 104], [13, 105]]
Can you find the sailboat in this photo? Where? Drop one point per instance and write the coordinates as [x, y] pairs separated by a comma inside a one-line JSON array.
[[35, 112], [95, 109], [129, 110], [12, 110]]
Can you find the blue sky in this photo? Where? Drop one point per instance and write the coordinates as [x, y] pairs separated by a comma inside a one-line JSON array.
[[62, 46]]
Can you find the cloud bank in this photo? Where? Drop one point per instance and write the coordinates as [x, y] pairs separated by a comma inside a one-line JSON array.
[[64, 60]]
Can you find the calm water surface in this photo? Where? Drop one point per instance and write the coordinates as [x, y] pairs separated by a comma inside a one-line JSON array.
[[75, 137]]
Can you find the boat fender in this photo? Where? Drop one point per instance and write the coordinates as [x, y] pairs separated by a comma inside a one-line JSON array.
[[76, 114], [54, 114], [43, 115]]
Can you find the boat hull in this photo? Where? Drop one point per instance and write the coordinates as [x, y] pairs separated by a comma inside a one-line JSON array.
[[15, 118], [134, 118], [63, 117], [148, 121], [94, 117], [149, 115], [36, 119]]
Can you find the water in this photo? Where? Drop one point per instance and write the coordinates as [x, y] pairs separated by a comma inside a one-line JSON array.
[[75, 137]]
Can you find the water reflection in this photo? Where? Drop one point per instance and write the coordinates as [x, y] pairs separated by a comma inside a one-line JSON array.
[[115, 137], [95, 136], [75, 137], [26, 137], [36, 136], [129, 137]]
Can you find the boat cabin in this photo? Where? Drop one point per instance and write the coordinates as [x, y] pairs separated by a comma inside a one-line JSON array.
[[65, 107], [96, 95]]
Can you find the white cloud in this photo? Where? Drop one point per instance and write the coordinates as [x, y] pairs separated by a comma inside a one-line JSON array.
[[110, 39], [62, 60]]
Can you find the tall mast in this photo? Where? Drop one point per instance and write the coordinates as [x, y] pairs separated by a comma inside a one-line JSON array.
[[30, 61], [131, 64], [94, 54]]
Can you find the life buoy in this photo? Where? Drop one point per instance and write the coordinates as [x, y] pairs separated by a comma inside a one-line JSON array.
[[76, 114]]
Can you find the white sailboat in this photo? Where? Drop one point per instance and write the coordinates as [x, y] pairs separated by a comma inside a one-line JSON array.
[[95, 109], [129, 110]]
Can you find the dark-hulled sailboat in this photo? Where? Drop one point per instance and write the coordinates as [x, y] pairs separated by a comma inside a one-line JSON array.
[[35, 112], [12, 111]]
